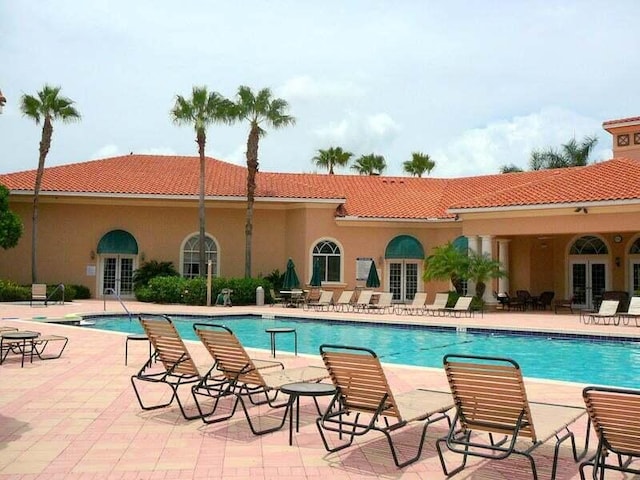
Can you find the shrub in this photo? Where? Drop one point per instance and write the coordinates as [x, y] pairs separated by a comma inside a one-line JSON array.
[[12, 292], [82, 292], [152, 269]]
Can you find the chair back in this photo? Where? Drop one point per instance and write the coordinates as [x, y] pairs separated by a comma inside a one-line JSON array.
[[546, 298], [364, 298], [634, 306], [39, 291], [358, 377], [229, 355], [325, 297], [385, 300], [463, 304], [614, 413], [419, 299], [608, 307], [440, 301], [489, 394], [313, 295], [523, 295], [345, 297], [168, 345]]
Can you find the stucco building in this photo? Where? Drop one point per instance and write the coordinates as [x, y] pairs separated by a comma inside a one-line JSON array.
[[574, 230]]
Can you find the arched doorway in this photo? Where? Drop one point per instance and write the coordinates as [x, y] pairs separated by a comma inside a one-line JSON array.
[[588, 270], [117, 256], [404, 256]]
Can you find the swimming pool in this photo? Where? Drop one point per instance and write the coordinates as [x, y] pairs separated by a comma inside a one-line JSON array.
[[583, 359]]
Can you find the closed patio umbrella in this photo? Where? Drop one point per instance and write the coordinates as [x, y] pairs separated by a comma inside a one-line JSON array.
[[315, 281], [290, 280], [373, 281]]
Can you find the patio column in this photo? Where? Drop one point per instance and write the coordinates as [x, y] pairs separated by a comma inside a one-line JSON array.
[[487, 248], [473, 242], [503, 257]]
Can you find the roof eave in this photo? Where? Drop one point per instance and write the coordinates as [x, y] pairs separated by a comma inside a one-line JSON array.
[[538, 206], [353, 218]]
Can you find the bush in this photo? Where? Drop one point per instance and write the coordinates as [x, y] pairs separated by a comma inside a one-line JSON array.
[[12, 292], [194, 291], [152, 269], [82, 292]]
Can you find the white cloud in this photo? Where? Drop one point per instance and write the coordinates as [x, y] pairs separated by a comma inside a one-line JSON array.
[[361, 134], [505, 142], [304, 87], [106, 151]]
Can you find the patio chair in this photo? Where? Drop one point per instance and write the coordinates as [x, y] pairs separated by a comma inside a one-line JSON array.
[[491, 400], [38, 293], [461, 308], [525, 298], [344, 301], [275, 298], [322, 303], [607, 313], [40, 346], [614, 413], [236, 375], [416, 306], [544, 300], [384, 303], [175, 367], [564, 304], [633, 311], [363, 301], [364, 401], [438, 304]]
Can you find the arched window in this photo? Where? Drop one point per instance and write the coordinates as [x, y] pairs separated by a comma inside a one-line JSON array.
[[588, 245], [191, 251], [635, 247], [330, 257]]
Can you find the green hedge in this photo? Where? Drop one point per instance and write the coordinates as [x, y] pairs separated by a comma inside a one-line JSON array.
[[12, 292], [194, 291]]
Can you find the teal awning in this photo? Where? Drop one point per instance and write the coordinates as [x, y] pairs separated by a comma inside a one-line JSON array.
[[118, 241], [462, 244], [404, 246]]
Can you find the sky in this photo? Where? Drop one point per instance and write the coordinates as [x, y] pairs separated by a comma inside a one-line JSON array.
[[474, 84]]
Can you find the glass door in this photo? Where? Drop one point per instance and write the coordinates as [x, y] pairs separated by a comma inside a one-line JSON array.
[[635, 277], [403, 280], [588, 281], [117, 275]]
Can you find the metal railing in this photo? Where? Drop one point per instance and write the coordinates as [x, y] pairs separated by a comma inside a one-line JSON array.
[[58, 287], [111, 291]]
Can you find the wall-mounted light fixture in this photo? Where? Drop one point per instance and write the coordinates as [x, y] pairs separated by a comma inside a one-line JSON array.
[[617, 261], [142, 257], [581, 209], [92, 255]]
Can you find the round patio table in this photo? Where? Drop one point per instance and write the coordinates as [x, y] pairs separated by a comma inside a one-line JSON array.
[[274, 331], [17, 340], [303, 389]]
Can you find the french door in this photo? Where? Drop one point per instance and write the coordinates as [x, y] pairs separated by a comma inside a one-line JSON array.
[[588, 280], [117, 274], [403, 279]]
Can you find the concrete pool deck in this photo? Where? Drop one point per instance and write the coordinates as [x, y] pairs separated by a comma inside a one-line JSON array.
[[77, 417]]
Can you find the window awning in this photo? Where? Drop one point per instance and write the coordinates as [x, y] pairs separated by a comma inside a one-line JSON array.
[[118, 241], [404, 246]]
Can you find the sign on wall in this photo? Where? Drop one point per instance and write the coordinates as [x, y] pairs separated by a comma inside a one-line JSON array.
[[363, 265]]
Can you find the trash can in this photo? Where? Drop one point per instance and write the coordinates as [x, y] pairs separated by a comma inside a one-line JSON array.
[[260, 296]]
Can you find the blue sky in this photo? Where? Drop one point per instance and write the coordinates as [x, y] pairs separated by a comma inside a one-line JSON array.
[[476, 85]]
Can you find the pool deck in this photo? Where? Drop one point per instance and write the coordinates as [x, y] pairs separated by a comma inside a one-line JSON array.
[[77, 417]]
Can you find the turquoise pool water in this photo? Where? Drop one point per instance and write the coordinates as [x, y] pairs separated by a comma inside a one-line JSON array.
[[584, 359]]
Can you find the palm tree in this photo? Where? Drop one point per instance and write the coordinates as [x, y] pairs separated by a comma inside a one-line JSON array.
[[203, 109], [482, 267], [511, 168], [447, 262], [370, 164], [332, 156], [419, 164], [47, 105], [259, 109], [571, 154]]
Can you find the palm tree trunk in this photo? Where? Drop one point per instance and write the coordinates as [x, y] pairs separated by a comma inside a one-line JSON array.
[[252, 170], [201, 140], [45, 144]]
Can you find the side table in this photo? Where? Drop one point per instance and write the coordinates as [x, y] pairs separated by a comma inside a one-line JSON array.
[[135, 337], [297, 390], [274, 331]]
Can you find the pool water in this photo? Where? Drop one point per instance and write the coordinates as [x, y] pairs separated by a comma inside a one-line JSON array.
[[569, 358]]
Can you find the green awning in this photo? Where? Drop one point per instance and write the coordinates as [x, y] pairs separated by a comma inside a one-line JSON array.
[[404, 246], [118, 241]]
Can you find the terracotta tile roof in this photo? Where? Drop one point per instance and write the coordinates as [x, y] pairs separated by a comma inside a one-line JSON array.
[[621, 120], [360, 196], [617, 179]]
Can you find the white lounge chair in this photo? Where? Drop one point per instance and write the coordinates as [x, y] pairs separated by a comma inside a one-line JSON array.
[[461, 308], [363, 302], [323, 303], [607, 313], [438, 304], [633, 311], [384, 303], [416, 306], [344, 301]]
